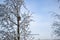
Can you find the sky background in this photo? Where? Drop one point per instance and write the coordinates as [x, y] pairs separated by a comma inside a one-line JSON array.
[[41, 15]]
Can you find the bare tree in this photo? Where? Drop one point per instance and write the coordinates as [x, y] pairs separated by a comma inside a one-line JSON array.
[[14, 25], [56, 23]]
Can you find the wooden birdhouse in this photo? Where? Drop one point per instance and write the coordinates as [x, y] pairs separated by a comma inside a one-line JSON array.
[[19, 18]]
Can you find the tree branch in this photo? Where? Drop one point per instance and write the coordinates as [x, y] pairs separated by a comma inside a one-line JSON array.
[[12, 21]]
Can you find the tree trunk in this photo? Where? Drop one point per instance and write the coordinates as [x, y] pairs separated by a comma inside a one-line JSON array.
[[18, 30]]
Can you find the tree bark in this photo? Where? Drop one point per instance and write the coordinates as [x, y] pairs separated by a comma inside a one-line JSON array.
[[18, 25], [18, 30]]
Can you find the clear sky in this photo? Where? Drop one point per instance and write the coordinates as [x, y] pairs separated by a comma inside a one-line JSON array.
[[1, 1], [41, 16]]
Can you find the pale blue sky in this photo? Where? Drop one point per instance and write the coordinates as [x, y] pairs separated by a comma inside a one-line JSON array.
[[41, 16], [1, 1]]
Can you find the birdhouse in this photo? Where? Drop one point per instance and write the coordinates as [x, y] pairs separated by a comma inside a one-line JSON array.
[[19, 18]]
